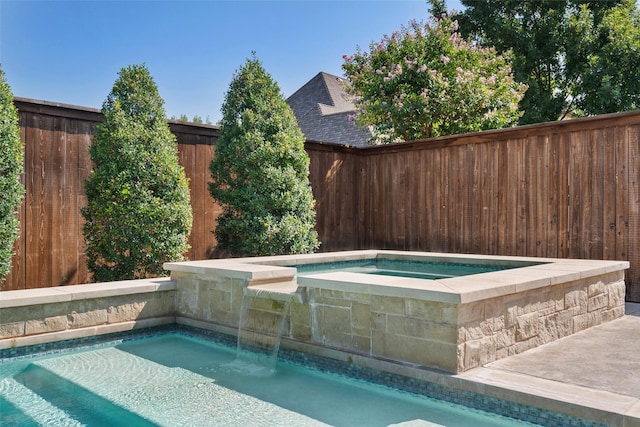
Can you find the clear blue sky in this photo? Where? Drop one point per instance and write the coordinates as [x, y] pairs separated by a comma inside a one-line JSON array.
[[71, 51]]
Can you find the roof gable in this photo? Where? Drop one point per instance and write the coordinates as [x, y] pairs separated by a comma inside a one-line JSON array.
[[322, 109]]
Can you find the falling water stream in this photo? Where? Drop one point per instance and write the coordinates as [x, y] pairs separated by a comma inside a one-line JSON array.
[[262, 321]]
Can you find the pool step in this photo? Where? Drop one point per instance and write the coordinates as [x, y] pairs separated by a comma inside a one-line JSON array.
[[21, 406], [79, 403]]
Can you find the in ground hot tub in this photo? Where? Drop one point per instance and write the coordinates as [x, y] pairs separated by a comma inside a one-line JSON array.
[[490, 308]]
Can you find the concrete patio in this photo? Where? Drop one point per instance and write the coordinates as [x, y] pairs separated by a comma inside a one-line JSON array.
[[593, 374]]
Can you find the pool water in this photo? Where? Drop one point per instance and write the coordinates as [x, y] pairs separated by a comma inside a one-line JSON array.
[[412, 269], [175, 379]]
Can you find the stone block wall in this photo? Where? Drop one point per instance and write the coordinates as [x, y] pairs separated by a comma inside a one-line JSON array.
[[83, 310], [209, 298], [398, 328], [495, 328], [446, 336]]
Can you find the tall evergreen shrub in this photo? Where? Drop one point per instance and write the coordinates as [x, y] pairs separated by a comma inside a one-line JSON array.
[[260, 172], [11, 189], [138, 214]]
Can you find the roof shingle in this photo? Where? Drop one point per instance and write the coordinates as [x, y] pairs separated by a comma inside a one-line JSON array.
[[322, 109]]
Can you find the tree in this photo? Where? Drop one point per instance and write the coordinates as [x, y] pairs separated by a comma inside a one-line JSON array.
[[11, 189], [138, 214], [196, 119], [427, 80], [260, 172], [578, 57], [609, 81]]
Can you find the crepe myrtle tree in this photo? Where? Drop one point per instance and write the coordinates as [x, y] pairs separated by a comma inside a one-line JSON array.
[[11, 189], [426, 80], [138, 214], [260, 172]]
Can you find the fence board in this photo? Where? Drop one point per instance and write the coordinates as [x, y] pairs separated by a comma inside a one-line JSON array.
[[491, 210], [623, 196], [564, 202], [633, 278], [598, 189], [609, 196], [212, 210], [85, 131]]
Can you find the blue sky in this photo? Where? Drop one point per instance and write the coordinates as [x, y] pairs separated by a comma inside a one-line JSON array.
[[71, 51]]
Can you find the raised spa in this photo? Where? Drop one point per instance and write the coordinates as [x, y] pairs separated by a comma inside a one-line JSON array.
[[415, 313]]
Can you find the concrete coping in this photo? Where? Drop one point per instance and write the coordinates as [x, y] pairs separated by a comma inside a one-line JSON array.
[[529, 273], [25, 297], [235, 269]]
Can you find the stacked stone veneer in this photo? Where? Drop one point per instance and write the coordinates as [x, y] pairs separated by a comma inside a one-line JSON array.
[[398, 328], [456, 337], [495, 328], [37, 316]]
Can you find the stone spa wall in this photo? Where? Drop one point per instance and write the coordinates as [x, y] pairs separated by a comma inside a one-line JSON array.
[[449, 324], [37, 316]]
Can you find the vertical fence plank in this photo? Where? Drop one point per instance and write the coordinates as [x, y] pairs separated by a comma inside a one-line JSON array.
[[576, 176], [37, 221], [609, 195], [541, 213], [86, 130], [54, 233], [598, 188], [531, 195], [622, 188], [204, 154], [564, 195], [633, 231]]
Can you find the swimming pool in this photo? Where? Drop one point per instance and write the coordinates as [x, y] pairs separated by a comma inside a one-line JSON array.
[[390, 327], [175, 378], [399, 268]]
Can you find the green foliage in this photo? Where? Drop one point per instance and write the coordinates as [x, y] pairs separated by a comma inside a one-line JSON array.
[[196, 119], [609, 80], [138, 214], [578, 57], [427, 81], [260, 172], [11, 189]]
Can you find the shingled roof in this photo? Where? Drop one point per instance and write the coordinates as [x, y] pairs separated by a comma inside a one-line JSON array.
[[322, 110]]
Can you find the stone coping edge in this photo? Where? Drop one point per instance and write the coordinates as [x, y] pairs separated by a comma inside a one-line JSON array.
[[26, 297], [535, 273]]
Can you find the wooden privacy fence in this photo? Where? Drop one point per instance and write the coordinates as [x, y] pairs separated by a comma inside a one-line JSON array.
[[566, 189], [50, 249]]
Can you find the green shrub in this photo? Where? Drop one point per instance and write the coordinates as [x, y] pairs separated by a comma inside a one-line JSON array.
[[11, 190], [260, 172], [138, 214]]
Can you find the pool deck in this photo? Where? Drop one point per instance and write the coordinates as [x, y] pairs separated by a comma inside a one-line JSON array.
[[593, 371]]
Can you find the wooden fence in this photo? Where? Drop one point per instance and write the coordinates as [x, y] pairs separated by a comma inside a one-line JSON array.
[[565, 189]]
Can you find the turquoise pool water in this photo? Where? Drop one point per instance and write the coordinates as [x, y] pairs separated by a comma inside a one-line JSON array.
[[413, 269], [174, 379]]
